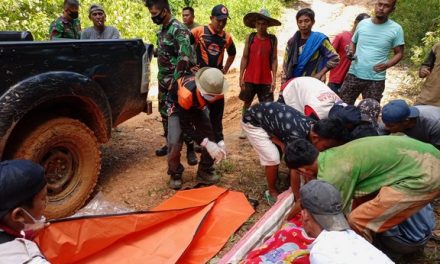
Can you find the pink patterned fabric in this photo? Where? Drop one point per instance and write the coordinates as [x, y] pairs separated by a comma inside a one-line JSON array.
[[287, 245]]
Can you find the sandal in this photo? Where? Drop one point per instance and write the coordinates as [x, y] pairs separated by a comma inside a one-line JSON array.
[[269, 199], [436, 236]]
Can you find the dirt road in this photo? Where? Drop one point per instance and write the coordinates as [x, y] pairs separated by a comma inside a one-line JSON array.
[[134, 177]]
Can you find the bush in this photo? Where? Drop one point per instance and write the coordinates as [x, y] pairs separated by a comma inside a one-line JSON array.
[[420, 21], [417, 18], [131, 18], [237, 10]]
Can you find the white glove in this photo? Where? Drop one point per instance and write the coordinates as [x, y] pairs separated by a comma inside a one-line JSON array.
[[214, 151], [221, 144]]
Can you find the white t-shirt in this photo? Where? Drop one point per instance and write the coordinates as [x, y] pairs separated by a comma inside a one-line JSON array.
[[21, 250], [309, 92], [344, 247]]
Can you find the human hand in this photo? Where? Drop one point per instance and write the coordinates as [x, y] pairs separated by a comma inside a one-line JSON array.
[[349, 52], [320, 77], [242, 87], [294, 211], [170, 108], [380, 67], [195, 68], [222, 145], [424, 72], [273, 86], [216, 153]]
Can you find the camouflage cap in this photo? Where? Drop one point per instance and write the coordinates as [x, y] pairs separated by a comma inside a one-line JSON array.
[[370, 110]]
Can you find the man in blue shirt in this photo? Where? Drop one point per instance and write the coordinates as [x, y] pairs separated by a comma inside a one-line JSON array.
[[371, 44]]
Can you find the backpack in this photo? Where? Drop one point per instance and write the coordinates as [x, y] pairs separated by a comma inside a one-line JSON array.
[[272, 39]]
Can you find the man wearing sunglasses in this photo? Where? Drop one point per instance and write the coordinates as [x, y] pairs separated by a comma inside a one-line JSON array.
[[194, 94], [99, 30]]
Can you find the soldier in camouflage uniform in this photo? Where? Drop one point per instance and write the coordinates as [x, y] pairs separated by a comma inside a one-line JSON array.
[[67, 26], [174, 51]]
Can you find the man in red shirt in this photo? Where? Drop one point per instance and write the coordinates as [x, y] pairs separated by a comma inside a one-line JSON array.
[[259, 63], [340, 43]]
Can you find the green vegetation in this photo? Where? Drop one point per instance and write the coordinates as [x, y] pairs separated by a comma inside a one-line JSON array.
[[421, 23], [131, 17]]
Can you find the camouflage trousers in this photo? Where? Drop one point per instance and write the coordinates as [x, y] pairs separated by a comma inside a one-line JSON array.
[[353, 87]]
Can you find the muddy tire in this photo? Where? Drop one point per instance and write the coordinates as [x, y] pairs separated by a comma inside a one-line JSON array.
[[69, 152]]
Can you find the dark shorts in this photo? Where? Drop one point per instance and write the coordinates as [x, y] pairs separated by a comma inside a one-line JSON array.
[[261, 90], [353, 87]]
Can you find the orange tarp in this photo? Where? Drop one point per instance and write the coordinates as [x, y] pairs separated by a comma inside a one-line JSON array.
[[190, 227]]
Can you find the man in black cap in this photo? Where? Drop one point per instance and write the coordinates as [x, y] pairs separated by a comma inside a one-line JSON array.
[[210, 43], [23, 199], [323, 219], [99, 29]]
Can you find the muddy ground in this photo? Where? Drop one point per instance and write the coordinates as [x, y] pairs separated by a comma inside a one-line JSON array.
[[132, 176]]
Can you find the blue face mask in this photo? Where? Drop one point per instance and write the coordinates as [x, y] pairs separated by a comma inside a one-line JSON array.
[[30, 230]]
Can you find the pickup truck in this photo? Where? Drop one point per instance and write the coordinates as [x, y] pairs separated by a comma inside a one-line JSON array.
[[59, 100]]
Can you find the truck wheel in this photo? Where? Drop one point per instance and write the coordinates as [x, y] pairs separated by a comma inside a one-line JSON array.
[[69, 152]]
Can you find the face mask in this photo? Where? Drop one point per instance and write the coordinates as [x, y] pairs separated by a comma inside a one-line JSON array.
[[157, 19], [73, 15], [30, 230]]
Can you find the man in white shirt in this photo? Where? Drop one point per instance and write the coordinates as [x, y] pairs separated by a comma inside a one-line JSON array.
[[310, 96], [335, 242]]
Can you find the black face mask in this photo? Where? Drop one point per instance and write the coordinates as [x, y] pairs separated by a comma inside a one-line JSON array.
[[157, 19], [73, 15]]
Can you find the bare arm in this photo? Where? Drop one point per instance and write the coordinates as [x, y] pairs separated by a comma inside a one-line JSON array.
[[244, 62], [398, 55], [321, 74], [278, 142], [295, 184], [274, 65], [228, 64]]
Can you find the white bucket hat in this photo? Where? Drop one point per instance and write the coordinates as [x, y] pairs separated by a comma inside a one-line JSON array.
[[211, 81]]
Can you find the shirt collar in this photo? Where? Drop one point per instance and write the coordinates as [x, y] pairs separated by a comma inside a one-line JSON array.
[[215, 33], [169, 23], [10, 231], [66, 21]]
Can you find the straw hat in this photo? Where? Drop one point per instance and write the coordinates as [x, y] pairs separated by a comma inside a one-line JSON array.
[[211, 81], [250, 19]]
